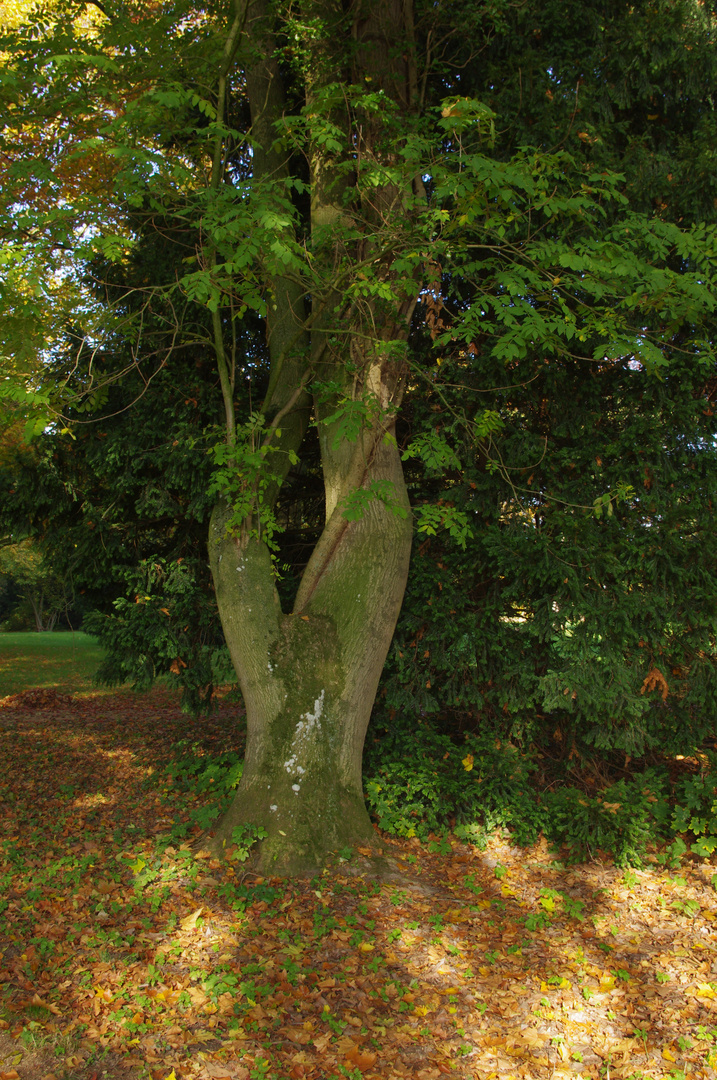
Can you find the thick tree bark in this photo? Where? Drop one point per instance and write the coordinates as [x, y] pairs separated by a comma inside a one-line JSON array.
[[309, 679]]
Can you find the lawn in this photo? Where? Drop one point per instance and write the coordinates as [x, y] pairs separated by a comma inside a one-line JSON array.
[[62, 660], [126, 952]]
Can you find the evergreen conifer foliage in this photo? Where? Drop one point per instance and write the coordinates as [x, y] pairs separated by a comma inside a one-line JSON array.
[[328, 178]]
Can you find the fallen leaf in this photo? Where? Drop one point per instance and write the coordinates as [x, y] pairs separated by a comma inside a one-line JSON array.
[[37, 1000], [190, 921], [361, 1059]]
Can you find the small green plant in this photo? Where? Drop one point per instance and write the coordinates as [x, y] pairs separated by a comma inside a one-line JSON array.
[[672, 854], [688, 908], [261, 1068], [244, 837], [574, 909], [548, 899], [695, 811], [538, 920], [441, 847], [220, 982], [469, 882]]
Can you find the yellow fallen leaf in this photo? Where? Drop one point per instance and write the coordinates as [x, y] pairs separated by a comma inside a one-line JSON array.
[[421, 1010], [190, 921], [705, 990], [668, 1055], [455, 915], [467, 762], [366, 946]]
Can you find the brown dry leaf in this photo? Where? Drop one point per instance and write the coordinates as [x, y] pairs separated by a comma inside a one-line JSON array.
[[216, 1070], [296, 1034], [655, 680], [533, 1038], [361, 1059], [199, 998], [37, 1000]]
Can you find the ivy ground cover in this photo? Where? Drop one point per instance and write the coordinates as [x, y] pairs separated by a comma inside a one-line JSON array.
[[125, 952]]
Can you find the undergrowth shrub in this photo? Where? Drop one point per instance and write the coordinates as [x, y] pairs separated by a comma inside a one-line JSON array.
[[420, 781], [695, 811], [622, 820]]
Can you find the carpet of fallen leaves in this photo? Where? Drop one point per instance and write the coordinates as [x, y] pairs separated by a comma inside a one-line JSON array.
[[125, 956]]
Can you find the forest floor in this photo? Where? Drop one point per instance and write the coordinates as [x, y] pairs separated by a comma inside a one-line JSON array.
[[124, 953]]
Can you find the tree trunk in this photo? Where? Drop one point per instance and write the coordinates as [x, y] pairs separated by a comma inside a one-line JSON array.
[[309, 678]]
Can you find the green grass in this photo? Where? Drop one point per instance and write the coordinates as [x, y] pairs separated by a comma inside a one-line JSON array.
[[64, 660]]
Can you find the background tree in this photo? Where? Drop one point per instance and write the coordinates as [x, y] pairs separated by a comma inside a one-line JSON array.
[[586, 641], [337, 179], [27, 576]]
